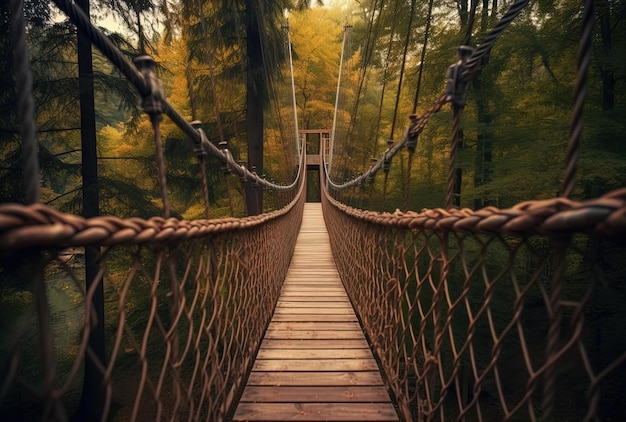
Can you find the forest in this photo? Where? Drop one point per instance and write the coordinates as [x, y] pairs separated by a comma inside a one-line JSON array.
[[514, 127], [227, 64]]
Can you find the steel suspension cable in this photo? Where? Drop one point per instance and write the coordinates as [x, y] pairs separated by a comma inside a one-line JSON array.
[[418, 88], [293, 89], [392, 32], [382, 93], [334, 128], [402, 68], [369, 46], [398, 94], [374, 22], [470, 23], [266, 51]]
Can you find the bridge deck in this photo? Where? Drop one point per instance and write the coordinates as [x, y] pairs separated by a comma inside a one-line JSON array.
[[314, 362]]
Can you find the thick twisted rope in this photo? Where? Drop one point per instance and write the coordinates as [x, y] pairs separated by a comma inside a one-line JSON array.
[[39, 225], [475, 60], [605, 216]]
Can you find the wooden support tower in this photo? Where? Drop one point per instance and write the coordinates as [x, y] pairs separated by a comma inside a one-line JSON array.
[[314, 362]]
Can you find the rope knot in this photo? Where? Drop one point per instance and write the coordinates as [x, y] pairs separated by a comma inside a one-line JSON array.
[[152, 101]]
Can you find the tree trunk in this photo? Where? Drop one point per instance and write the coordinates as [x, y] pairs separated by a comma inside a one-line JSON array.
[[484, 139], [92, 399], [255, 93], [608, 77]]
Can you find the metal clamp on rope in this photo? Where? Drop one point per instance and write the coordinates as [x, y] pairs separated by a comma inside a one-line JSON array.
[[242, 178], [199, 145], [456, 86], [152, 101], [256, 176], [411, 134], [223, 145], [371, 172], [386, 161]]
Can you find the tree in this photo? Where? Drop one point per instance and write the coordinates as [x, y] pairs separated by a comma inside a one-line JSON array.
[[260, 23]]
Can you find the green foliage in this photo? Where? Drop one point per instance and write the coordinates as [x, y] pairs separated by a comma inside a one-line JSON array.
[[517, 117]]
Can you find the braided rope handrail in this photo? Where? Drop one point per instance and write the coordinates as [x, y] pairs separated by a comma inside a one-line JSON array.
[[39, 225], [605, 216]]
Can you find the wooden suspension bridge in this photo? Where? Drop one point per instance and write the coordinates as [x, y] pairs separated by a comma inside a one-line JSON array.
[[314, 362]]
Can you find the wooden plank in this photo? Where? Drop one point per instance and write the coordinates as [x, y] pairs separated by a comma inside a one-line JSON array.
[[338, 299], [314, 354], [315, 365], [318, 379], [327, 311], [313, 317], [328, 335], [359, 343], [316, 412], [317, 281], [313, 304], [314, 289], [271, 394], [308, 325], [296, 292]]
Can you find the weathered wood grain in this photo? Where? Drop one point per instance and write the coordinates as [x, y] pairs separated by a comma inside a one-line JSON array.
[[314, 362]]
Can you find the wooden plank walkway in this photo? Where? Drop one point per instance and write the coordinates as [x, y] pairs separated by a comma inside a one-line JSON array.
[[314, 362]]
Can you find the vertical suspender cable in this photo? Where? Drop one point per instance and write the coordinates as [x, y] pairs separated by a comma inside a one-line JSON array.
[[385, 72], [429, 18], [293, 95], [333, 131], [406, 47]]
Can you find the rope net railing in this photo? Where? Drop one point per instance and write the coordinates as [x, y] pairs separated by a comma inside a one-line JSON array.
[[186, 305], [136, 319], [509, 314], [489, 313]]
